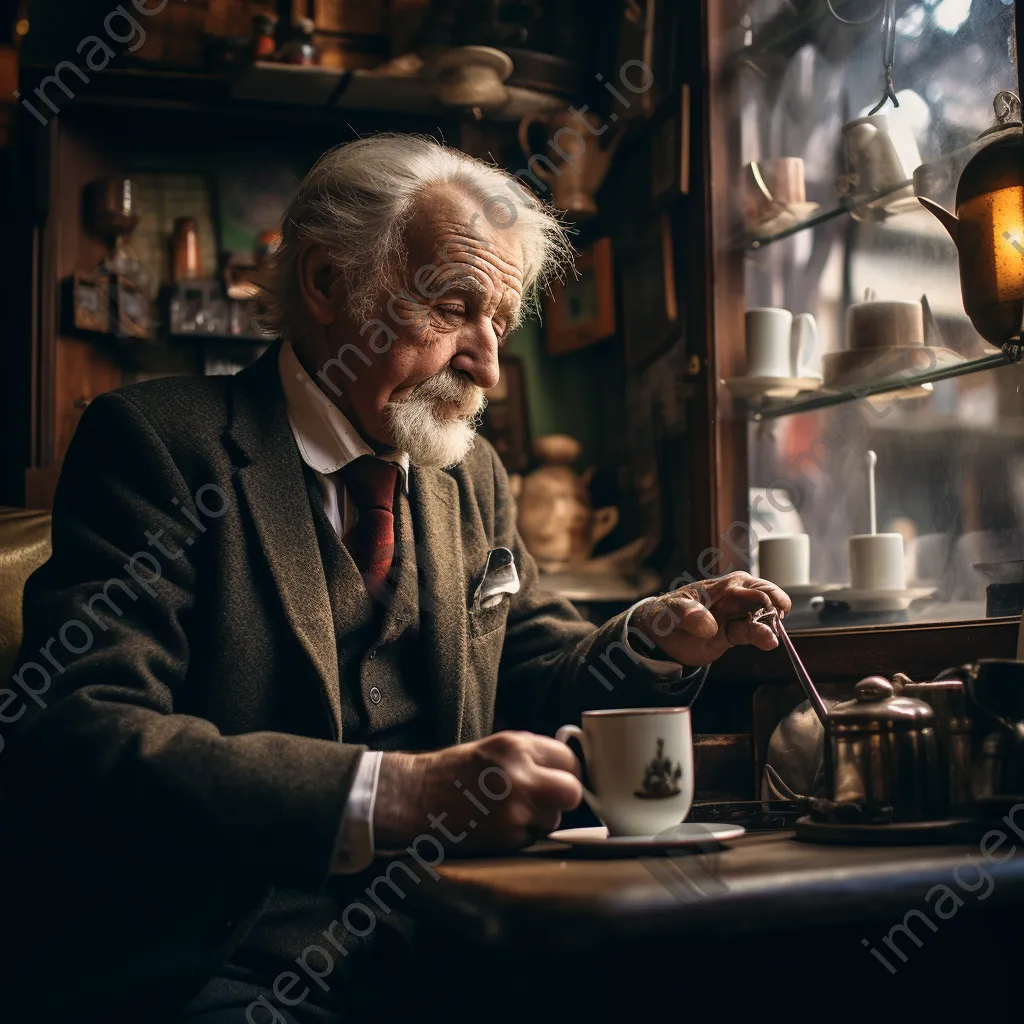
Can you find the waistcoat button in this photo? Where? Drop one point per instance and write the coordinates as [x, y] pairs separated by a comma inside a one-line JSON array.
[[375, 695]]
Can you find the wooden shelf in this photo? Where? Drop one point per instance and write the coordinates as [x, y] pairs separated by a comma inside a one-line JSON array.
[[273, 83], [199, 338]]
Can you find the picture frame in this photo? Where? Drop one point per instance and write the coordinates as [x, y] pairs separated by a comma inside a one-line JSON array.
[[648, 31], [133, 308], [636, 43], [581, 311], [90, 302], [650, 305], [506, 421]]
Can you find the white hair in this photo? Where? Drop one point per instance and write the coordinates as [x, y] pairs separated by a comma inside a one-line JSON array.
[[357, 201]]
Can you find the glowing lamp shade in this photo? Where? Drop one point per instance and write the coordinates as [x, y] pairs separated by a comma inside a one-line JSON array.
[[990, 209], [988, 229]]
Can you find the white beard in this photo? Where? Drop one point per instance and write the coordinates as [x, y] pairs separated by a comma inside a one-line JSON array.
[[417, 426]]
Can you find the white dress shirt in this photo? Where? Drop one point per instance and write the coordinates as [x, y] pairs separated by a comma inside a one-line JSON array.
[[327, 441]]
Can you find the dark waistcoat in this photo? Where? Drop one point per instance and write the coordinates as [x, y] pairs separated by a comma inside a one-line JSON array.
[[381, 668], [383, 688]]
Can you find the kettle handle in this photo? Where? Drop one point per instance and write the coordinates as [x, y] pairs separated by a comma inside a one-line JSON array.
[[758, 183], [1015, 729], [524, 143]]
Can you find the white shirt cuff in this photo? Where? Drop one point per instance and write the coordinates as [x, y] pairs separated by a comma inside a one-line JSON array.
[[672, 679], [353, 849]]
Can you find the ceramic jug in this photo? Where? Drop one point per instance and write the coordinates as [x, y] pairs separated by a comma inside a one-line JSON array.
[[882, 158], [575, 160]]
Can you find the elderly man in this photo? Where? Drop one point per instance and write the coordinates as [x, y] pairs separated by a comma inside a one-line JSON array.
[[273, 637]]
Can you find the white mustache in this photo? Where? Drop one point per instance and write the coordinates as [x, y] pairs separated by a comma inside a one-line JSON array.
[[451, 387], [418, 427]]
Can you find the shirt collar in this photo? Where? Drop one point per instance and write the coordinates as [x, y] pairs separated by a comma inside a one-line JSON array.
[[325, 437]]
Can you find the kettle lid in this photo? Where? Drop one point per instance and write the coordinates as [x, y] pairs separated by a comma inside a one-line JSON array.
[[875, 701]]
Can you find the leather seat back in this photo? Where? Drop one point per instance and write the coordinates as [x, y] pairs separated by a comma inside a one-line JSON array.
[[24, 546]]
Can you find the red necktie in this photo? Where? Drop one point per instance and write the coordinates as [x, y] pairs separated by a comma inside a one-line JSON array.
[[370, 485]]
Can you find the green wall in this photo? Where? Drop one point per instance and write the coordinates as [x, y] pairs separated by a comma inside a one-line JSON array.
[[572, 394]]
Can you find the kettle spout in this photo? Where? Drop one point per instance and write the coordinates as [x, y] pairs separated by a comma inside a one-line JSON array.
[[943, 216]]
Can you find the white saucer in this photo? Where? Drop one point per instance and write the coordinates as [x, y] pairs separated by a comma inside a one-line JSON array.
[[880, 600], [771, 387], [689, 833]]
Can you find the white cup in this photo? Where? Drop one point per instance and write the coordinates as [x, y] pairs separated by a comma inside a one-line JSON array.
[[876, 562], [640, 763], [785, 560], [779, 344]]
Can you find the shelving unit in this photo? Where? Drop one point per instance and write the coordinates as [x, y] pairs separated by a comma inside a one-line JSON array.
[[755, 241], [812, 401]]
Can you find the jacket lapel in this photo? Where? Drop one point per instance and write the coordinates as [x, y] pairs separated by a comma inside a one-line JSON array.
[[271, 482], [435, 515]]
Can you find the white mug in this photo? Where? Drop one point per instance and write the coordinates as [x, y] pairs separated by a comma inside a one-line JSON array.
[[876, 562], [779, 344], [882, 154], [785, 560], [640, 763]]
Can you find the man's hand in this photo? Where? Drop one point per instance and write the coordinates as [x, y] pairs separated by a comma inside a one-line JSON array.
[[498, 793], [700, 622]]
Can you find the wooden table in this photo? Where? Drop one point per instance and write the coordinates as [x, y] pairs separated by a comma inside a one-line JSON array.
[[766, 914]]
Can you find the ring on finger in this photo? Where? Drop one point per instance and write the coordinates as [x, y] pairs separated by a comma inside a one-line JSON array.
[[725, 631]]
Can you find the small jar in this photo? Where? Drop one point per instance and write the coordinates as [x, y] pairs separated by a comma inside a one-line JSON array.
[[185, 249]]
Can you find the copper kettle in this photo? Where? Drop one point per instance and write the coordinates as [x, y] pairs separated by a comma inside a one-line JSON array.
[[987, 222]]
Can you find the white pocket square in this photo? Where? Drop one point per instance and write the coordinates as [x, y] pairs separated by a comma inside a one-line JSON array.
[[500, 577]]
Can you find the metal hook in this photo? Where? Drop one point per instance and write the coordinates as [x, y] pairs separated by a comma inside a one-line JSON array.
[[853, 21], [888, 56]]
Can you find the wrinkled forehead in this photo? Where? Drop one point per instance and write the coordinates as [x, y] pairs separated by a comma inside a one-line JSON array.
[[451, 231]]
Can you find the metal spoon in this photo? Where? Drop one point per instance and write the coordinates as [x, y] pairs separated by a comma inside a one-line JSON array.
[[770, 617]]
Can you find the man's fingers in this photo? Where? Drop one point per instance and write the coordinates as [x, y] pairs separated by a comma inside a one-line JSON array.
[[545, 820], [686, 614], [551, 788], [550, 753], [778, 597], [749, 599], [742, 631]]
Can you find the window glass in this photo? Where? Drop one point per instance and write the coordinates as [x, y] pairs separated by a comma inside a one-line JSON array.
[[950, 460]]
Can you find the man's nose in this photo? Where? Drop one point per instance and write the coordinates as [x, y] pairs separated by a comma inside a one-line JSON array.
[[479, 358]]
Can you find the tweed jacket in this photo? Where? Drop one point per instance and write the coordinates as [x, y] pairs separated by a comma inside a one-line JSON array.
[[190, 755]]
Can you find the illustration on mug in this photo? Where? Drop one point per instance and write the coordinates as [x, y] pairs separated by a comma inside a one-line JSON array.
[[661, 779]]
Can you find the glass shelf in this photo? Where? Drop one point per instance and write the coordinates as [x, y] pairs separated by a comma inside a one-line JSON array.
[[810, 401], [757, 241]]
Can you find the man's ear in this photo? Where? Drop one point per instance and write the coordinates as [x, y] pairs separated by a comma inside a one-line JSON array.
[[318, 284]]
